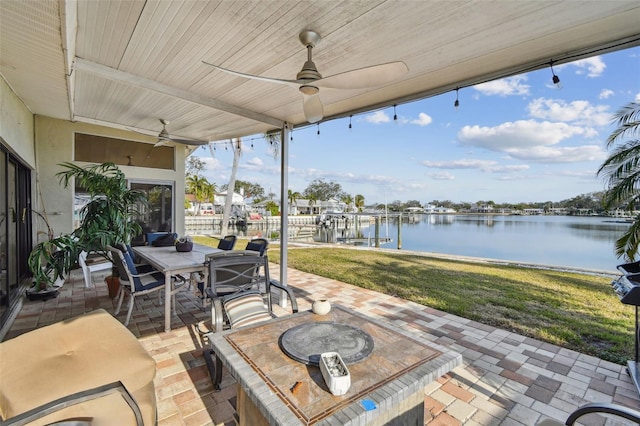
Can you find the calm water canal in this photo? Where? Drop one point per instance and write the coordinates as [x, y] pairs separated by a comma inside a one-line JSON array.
[[579, 242]]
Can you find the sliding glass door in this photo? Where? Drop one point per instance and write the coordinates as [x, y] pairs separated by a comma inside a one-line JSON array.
[[157, 215], [15, 230]]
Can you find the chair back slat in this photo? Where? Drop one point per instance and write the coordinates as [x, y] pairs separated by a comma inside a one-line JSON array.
[[234, 271]]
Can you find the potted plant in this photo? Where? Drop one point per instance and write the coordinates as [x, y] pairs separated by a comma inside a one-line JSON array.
[[107, 219]]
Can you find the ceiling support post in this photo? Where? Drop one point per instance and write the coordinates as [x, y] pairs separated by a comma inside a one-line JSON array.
[[284, 211]]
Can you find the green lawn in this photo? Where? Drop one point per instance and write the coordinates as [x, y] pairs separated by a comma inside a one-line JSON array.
[[575, 311]]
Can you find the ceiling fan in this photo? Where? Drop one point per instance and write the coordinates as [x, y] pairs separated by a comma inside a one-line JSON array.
[[164, 139], [309, 80]]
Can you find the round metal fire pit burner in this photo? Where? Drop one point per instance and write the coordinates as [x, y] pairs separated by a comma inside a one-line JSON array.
[[306, 342]]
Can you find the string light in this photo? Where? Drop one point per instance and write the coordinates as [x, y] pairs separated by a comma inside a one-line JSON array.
[[395, 116], [555, 79], [350, 117], [456, 104], [318, 129]]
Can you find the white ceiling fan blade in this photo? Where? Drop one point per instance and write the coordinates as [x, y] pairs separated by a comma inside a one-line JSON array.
[[192, 142], [168, 142], [293, 83], [363, 78], [312, 106]]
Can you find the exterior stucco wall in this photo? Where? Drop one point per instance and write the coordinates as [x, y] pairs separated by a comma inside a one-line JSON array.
[[16, 125], [55, 144]]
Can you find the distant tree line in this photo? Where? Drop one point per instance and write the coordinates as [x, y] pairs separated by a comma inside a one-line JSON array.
[[592, 201], [322, 190]]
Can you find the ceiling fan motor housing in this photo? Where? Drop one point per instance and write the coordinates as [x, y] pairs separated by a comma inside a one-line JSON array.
[[309, 72]]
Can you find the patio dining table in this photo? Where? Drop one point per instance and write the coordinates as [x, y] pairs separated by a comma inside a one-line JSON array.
[[389, 370], [170, 262]]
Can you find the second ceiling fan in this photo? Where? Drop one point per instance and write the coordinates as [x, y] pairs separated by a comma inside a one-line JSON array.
[[165, 139], [309, 81]]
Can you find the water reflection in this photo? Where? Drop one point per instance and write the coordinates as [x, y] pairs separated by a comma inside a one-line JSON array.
[[584, 242]]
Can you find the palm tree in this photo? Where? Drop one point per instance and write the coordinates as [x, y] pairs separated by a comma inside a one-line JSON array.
[[622, 173], [292, 197], [312, 202], [348, 200], [209, 192], [359, 202], [201, 189]]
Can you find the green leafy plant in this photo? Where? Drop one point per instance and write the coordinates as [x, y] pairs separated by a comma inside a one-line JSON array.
[[622, 173], [107, 219]]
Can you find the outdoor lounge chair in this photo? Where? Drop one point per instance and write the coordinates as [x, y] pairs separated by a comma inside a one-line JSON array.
[[88, 368], [242, 304]]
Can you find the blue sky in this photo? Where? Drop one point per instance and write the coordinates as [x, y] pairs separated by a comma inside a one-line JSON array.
[[518, 139]]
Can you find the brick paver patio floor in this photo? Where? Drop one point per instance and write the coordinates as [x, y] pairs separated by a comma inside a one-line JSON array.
[[506, 379]]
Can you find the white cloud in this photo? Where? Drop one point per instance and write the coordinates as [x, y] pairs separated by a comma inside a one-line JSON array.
[[487, 166], [532, 141], [422, 120], [549, 154], [211, 163], [441, 176], [637, 97], [459, 164], [594, 66], [576, 112], [605, 93], [519, 134], [254, 163], [505, 86], [377, 117]]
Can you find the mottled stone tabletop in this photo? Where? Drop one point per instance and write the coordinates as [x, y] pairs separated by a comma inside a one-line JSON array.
[[291, 392]]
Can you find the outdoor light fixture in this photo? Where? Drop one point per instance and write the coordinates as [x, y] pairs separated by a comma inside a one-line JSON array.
[[351, 116], [555, 78], [308, 90], [395, 116], [456, 104], [318, 129]]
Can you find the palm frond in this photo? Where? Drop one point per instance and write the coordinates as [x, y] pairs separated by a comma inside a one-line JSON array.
[[622, 174], [627, 119]]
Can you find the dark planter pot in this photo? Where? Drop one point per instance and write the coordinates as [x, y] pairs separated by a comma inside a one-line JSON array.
[[188, 246], [46, 294], [113, 284]]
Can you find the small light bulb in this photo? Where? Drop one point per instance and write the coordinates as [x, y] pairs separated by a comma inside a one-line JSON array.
[[555, 78]]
